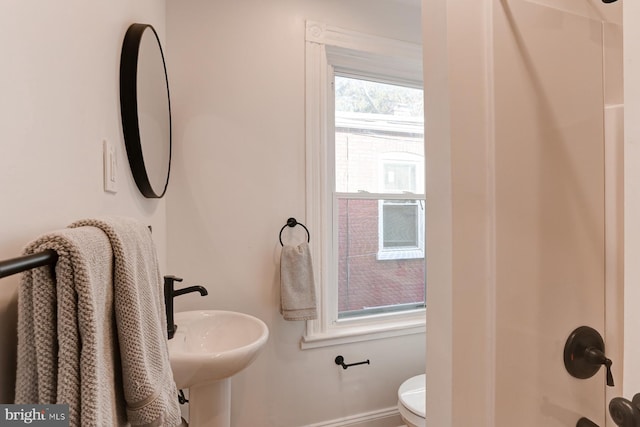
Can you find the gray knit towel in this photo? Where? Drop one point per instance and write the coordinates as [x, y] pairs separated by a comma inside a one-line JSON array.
[[297, 288], [149, 389], [67, 348]]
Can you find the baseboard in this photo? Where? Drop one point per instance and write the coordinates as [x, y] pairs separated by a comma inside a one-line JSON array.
[[388, 417]]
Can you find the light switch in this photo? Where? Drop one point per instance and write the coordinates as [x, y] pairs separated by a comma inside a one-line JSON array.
[[110, 167]]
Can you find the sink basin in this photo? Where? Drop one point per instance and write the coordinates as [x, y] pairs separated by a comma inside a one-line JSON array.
[[212, 345]]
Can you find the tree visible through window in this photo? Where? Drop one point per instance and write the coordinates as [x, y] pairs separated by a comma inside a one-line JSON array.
[[378, 195]]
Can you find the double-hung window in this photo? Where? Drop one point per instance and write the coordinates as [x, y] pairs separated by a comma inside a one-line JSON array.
[[365, 185]]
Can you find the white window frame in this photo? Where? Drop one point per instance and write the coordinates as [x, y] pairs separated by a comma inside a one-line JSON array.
[[413, 252], [417, 200], [327, 49]]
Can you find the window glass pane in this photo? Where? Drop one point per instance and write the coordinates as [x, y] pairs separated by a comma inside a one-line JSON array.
[[400, 225], [367, 284], [399, 177], [372, 120]]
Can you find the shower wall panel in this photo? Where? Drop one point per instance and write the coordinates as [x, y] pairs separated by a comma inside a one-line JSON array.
[[549, 175]]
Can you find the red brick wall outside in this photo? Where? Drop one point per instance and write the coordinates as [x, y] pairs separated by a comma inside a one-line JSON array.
[[363, 280]]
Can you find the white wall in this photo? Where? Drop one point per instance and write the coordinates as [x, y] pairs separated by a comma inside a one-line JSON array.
[[59, 100], [237, 76], [458, 135]]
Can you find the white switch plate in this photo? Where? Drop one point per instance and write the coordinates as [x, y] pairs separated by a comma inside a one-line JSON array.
[[110, 167]]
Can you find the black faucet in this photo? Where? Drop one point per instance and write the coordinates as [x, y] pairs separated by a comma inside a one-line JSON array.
[[170, 293]]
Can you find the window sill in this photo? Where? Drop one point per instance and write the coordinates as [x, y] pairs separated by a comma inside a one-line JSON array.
[[366, 329], [389, 254]]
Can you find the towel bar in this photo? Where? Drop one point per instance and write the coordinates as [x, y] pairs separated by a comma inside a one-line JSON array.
[[27, 262]]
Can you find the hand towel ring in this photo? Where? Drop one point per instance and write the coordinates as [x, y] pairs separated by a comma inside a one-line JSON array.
[[291, 222]]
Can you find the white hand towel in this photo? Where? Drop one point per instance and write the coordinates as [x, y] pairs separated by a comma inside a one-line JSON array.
[[297, 288]]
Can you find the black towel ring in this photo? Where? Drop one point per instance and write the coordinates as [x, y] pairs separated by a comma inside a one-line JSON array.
[[291, 222]]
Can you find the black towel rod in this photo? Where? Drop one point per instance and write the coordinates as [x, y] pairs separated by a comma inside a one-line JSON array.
[[27, 262]]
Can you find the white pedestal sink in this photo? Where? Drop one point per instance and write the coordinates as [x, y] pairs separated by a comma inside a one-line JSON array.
[[208, 348]]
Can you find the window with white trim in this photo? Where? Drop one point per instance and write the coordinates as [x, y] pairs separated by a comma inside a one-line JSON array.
[[401, 220], [365, 185]]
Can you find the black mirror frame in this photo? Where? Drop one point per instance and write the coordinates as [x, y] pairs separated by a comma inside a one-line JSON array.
[[129, 108]]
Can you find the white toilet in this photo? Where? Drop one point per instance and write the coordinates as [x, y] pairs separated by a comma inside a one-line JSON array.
[[411, 401]]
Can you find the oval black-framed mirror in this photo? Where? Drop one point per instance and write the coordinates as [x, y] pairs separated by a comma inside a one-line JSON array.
[[145, 106]]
